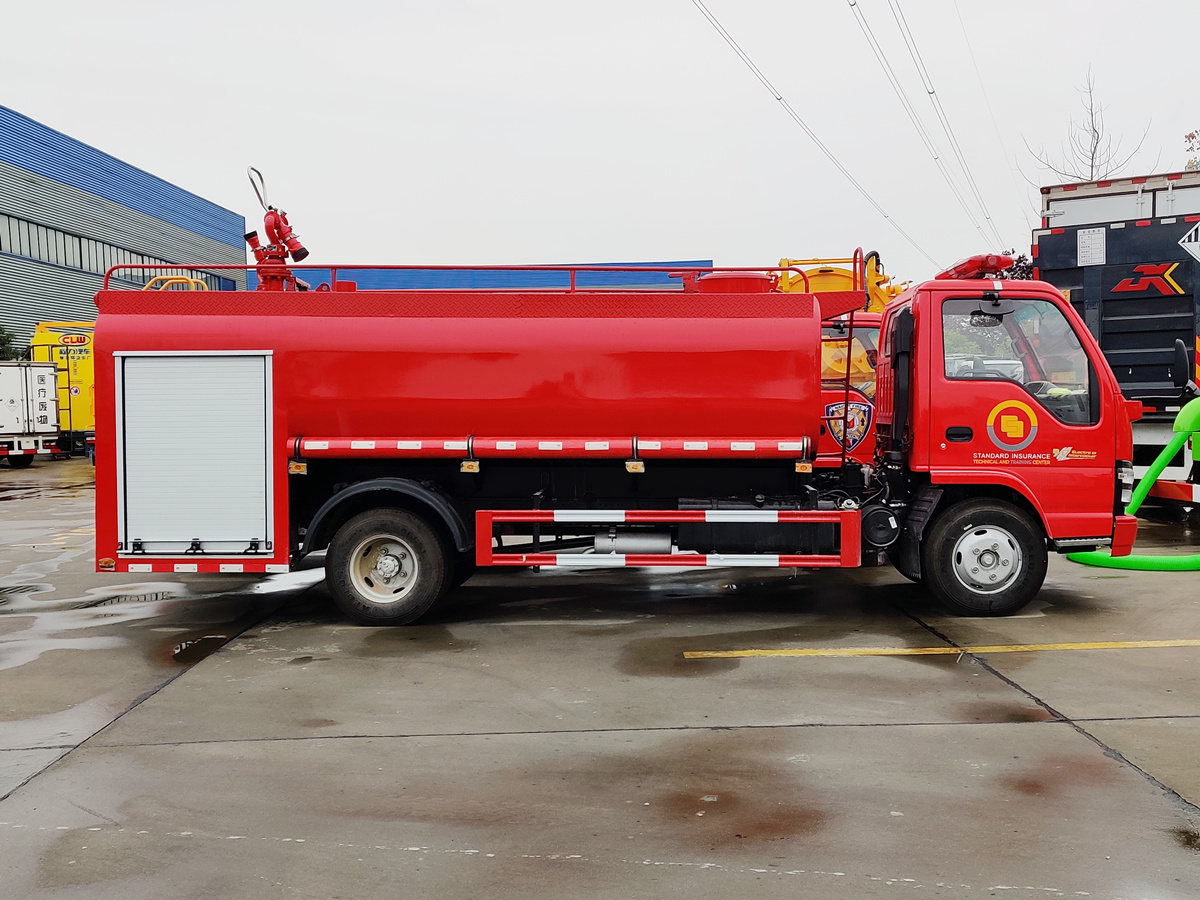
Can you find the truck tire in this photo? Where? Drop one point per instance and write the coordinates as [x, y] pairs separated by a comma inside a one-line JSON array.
[[24, 461], [386, 567], [984, 557]]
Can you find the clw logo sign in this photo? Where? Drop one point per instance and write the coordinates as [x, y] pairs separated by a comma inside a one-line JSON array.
[[1156, 276], [73, 339]]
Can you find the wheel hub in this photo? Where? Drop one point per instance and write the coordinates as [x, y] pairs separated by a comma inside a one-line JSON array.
[[383, 568], [987, 559]]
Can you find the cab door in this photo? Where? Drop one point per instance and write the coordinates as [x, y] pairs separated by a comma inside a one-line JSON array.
[[1015, 400]]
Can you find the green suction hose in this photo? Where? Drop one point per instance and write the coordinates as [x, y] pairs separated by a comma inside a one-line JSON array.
[[1186, 424]]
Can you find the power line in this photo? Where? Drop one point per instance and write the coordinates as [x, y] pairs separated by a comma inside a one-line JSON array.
[[877, 49], [808, 131], [1017, 189], [911, 43]]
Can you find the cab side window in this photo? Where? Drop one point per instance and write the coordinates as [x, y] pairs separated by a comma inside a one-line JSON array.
[[1028, 342]]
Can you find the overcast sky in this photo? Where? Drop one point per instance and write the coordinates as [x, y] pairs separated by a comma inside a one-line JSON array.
[[530, 131]]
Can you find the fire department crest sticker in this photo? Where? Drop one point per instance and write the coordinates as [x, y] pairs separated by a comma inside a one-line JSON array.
[[856, 425]]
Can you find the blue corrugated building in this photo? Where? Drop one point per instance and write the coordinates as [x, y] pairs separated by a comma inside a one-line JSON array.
[[68, 212]]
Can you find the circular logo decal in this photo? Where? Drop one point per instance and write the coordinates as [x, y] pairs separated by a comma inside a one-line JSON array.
[[1012, 425]]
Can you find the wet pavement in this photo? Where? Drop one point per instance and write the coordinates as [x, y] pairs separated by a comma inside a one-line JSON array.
[[544, 735]]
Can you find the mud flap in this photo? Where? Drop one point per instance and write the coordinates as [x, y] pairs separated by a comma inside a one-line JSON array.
[[906, 555]]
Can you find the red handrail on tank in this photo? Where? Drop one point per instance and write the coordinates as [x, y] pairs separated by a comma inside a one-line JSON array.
[[571, 270]]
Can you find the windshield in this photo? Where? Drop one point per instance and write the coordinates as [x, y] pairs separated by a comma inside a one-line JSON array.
[[1029, 342], [862, 352]]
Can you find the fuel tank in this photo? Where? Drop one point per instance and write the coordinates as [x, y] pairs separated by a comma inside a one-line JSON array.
[[671, 368]]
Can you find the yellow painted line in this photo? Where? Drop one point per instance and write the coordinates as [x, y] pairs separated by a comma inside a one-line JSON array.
[[937, 651]]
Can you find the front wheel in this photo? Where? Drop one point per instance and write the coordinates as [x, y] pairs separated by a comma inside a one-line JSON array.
[[386, 567], [984, 558]]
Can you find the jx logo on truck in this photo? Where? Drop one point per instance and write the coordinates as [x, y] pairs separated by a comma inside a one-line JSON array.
[[1157, 276]]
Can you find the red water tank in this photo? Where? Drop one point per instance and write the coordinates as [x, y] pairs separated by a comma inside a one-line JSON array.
[[608, 365]]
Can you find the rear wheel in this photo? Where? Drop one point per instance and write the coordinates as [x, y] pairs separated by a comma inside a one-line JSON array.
[[24, 461], [984, 558], [386, 567]]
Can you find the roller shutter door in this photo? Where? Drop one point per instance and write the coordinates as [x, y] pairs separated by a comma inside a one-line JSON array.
[[194, 452]]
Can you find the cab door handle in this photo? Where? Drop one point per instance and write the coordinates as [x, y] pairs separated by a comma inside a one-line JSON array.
[[959, 434]]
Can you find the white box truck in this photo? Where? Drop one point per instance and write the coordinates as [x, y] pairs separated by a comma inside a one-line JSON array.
[[28, 411]]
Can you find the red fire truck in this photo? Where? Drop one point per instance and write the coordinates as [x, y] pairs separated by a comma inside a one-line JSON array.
[[595, 429]]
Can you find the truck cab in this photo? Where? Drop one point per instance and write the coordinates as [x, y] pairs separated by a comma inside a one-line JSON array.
[[1011, 431]]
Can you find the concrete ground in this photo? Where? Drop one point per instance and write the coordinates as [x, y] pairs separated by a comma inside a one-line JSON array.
[[544, 736]]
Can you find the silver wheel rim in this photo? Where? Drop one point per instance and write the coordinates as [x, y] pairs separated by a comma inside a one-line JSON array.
[[987, 559], [383, 568]]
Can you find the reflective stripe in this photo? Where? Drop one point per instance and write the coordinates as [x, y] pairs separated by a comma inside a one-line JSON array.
[[549, 445], [506, 445], [579, 560], [595, 445], [454, 445], [232, 567], [589, 515], [695, 445], [362, 445], [141, 567], [741, 559], [186, 567], [741, 445], [408, 445], [741, 515]]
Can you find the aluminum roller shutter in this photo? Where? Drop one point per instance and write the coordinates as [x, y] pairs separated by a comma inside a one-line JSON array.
[[194, 443]]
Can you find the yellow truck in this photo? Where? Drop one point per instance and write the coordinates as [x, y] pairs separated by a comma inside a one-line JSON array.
[[69, 346]]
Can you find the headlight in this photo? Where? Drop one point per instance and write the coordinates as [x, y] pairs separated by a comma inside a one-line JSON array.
[[1125, 479]]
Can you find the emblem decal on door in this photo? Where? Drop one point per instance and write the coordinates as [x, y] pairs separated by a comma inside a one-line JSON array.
[[1012, 425]]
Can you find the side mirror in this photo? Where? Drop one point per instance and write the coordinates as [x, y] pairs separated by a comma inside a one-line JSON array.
[[1180, 366], [1181, 371]]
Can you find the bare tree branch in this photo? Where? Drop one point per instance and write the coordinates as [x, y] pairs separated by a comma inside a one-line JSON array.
[[1089, 153]]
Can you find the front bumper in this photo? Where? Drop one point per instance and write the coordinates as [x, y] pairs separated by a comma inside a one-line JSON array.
[[1124, 534]]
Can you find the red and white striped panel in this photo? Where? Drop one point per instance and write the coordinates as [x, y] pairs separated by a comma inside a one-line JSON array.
[[170, 566], [847, 520], [459, 447], [665, 560]]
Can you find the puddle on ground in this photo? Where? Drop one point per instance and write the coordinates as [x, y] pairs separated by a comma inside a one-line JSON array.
[[192, 650], [1002, 712], [1188, 838], [1055, 776], [414, 639]]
